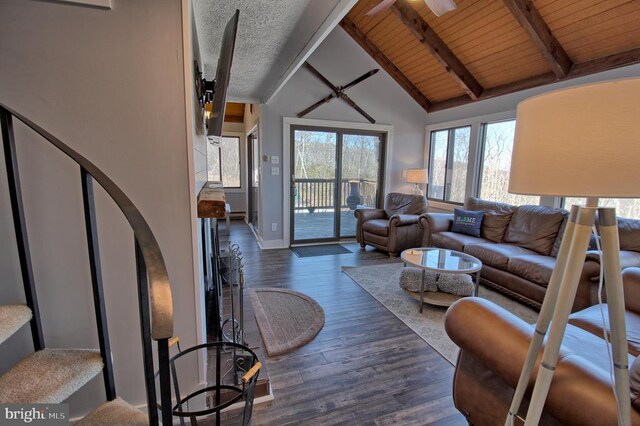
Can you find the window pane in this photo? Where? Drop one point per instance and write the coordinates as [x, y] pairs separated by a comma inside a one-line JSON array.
[[438, 164], [213, 158], [230, 151], [460, 163], [496, 164], [625, 207]]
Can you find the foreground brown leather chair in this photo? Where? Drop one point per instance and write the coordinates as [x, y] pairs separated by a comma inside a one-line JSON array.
[[394, 228], [493, 346]]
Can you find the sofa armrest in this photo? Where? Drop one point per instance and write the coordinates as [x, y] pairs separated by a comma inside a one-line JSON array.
[[432, 223], [628, 259], [439, 222], [404, 219], [369, 214], [631, 285], [499, 341]]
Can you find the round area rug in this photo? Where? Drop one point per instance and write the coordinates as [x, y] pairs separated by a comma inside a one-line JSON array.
[[286, 319]]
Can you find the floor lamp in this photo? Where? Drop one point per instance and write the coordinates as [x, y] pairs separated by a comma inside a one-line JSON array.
[[579, 142]]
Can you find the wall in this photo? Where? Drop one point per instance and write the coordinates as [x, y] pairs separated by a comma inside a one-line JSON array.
[[341, 60], [110, 83]]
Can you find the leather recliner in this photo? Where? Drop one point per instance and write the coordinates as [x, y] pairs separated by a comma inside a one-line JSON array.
[[493, 346], [394, 228]]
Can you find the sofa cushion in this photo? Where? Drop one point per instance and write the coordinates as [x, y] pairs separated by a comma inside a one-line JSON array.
[[590, 319], [397, 203], [535, 228], [454, 241], [496, 255], [377, 227], [467, 222], [629, 232], [628, 259], [534, 267], [496, 219]]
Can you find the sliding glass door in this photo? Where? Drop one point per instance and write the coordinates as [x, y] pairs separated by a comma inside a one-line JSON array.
[[334, 171]]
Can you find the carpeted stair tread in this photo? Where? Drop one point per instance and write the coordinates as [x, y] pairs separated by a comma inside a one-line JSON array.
[[49, 376], [116, 412], [12, 317]]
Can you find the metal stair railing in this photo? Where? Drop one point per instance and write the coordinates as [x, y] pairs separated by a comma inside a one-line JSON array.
[[154, 289]]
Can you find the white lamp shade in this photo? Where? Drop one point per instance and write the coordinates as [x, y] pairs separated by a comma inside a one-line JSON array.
[[581, 142], [417, 176]]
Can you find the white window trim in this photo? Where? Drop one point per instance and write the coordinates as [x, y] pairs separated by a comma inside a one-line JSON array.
[[475, 150]]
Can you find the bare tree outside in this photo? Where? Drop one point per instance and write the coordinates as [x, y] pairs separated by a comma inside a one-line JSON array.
[[625, 207], [496, 164], [448, 179], [224, 162]]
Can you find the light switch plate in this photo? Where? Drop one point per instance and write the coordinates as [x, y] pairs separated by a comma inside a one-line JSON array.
[[275, 171]]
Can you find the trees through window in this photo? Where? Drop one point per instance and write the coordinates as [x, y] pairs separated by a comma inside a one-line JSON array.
[[497, 149], [224, 161], [448, 164]]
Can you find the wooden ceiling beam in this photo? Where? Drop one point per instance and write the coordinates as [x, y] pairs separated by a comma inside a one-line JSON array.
[[617, 60], [539, 33], [350, 27], [606, 63], [423, 32]]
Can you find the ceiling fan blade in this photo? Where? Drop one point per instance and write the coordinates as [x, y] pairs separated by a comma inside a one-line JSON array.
[[353, 105], [360, 79], [316, 105], [440, 7], [382, 6], [320, 76]]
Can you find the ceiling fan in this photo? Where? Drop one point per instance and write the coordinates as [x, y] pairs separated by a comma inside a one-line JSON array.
[[438, 7]]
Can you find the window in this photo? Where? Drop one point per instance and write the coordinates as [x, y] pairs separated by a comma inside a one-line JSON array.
[[448, 163], [625, 207], [224, 161], [497, 147]]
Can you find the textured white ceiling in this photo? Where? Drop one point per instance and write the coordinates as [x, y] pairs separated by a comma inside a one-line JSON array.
[[270, 35]]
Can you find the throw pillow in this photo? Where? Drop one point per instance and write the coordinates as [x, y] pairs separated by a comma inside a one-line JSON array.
[[467, 222]]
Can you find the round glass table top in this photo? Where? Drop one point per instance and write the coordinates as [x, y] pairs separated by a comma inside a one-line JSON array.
[[441, 260]]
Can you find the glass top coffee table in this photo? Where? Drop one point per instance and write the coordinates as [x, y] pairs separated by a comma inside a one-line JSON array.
[[442, 261]]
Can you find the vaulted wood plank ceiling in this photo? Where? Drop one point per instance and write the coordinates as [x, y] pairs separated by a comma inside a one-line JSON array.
[[489, 48]]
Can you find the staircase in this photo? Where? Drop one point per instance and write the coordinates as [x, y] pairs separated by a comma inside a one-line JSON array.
[[52, 375]]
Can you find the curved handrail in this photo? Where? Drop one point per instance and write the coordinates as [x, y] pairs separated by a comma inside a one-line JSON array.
[[159, 286]]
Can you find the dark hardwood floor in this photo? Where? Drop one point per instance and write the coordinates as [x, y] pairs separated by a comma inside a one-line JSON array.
[[364, 367]]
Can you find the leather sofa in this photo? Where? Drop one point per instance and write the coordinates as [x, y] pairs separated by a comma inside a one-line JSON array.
[[518, 247], [493, 346], [394, 228]]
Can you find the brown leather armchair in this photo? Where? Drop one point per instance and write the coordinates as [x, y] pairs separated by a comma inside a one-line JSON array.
[[394, 228], [493, 346]]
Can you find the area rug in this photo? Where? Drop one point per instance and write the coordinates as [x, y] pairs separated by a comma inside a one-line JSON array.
[[381, 281], [320, 250], [286, 319]]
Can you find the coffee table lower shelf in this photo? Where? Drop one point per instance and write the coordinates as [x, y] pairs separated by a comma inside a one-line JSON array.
[[436, 298]]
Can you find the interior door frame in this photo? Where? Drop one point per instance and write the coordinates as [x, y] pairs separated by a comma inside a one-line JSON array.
[[250, 188], [291, 123]]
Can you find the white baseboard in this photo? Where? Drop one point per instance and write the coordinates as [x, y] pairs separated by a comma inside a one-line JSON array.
[[271, 244]]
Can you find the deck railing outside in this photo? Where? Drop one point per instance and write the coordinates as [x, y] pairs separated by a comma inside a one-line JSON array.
[[319, 194]]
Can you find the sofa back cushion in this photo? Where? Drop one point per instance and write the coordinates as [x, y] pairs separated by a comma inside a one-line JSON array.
[[629, 232], [496, 219], [535, 227], [397, 203]]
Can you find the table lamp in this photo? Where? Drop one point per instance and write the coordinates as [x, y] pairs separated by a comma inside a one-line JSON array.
[[582, 141], [417, 177]]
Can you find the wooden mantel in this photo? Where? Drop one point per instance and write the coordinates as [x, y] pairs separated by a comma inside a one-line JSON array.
[[211, 201]]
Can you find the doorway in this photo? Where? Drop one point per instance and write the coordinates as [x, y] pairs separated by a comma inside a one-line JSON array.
[[333, 172], [253, 179]]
